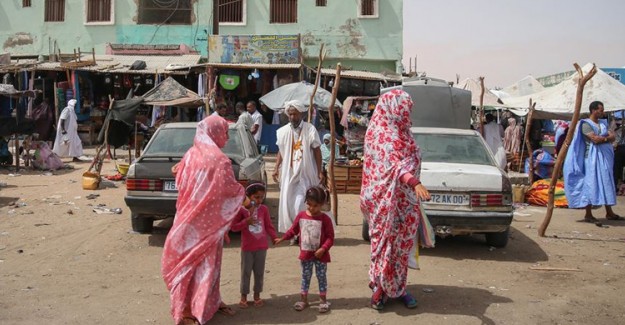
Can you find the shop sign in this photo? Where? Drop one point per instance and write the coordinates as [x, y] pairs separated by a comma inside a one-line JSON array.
[[269, 49]]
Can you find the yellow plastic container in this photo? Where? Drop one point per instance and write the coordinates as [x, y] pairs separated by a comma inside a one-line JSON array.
[[122, 168], [90, 181]]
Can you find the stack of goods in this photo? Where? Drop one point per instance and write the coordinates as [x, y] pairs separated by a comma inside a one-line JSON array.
[[515, 160], [355, 134]]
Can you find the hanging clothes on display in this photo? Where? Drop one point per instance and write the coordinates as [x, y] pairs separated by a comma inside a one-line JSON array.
[[201, 90]]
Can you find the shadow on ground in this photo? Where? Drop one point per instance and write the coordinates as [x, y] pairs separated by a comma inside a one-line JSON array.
[[6, 201], [443, 300], [520, 248]]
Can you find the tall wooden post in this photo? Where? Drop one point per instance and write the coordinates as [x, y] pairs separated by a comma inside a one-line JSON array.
[[581, 82], [482, 106], [528, 143], [317, 80], [335, 90]]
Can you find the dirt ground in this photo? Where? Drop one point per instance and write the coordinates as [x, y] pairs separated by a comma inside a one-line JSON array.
[[61, 263]]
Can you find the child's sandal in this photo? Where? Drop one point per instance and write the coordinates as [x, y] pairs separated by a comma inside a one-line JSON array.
[[300, 305], [258, 302], [243, 304], [324, 307]]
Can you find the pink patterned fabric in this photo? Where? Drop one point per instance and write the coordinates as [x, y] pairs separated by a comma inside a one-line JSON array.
[[208, 200], [391, 206]]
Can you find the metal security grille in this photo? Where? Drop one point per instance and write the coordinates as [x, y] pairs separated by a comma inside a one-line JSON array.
[[283, 11], [367, 7], [98, 10], [55, 10], [165, 12], [322, 3], [231, 11], [25, 3]]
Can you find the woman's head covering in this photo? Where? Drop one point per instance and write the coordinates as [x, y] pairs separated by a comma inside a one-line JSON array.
[[511, 122], [327, 136], [394, 108], [295, 104], [212, 130]]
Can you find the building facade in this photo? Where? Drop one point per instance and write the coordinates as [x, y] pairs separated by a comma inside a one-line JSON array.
[[361, 34]]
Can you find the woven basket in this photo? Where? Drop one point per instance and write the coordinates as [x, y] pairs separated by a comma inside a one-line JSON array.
[[90, 181]]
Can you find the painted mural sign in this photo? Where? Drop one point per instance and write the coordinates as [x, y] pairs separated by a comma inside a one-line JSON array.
[[272, 49]]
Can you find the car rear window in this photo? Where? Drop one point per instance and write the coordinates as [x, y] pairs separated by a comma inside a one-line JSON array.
[[176, 142], [453, 148]]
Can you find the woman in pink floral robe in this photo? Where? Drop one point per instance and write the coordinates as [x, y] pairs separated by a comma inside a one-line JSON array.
[[390, 196], [208, 200]]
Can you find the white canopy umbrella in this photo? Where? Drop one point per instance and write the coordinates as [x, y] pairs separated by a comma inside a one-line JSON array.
[[301, 91]]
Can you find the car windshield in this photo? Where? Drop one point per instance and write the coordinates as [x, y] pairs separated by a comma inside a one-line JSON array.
[[176, 141], [453, 148]]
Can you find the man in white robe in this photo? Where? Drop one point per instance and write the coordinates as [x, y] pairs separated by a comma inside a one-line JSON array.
[[67, 143], [493, 133], [298, 164]]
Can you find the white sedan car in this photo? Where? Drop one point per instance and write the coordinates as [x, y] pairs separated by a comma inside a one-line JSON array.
[[470, 194]]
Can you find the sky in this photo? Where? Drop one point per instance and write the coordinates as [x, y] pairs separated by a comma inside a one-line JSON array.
[[506, 40]]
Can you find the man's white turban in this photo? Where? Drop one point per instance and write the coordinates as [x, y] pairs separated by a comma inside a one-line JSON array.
[[71, 103], [295, 104]]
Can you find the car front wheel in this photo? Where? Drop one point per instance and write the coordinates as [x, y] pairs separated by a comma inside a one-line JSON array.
[[141, 224], [498, 239]]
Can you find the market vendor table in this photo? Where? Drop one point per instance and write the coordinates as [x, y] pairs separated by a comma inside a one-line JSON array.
[[89, 129], [348, 179]]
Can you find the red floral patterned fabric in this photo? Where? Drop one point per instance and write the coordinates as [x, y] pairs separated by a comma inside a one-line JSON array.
[[390, 206], [208, 200]]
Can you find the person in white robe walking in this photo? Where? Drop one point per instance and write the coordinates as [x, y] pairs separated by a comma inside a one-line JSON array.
[[493, 133], [298, 164], [67, 143]]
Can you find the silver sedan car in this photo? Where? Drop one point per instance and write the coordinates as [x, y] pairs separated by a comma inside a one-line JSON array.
[[151, 191]]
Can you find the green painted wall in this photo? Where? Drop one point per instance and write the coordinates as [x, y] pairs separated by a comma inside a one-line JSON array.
[[373, 44]]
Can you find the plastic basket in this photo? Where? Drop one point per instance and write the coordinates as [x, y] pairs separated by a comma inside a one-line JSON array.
[[122, 168], [90, 180]]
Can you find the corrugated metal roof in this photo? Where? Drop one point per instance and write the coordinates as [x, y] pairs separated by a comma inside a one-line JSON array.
[[171, 64], [255, 65], [365, 75]]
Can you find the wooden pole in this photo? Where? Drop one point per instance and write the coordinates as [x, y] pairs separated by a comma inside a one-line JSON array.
[[207, 91], [482, 106], [334, 199], [317, 80], [581, 82], [528, 143]]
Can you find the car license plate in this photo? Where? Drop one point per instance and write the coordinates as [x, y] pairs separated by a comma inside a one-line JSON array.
[[450, 199], [169, 186]]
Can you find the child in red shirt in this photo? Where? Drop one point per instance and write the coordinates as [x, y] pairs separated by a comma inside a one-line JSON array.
[[255, 226], [316, 234]]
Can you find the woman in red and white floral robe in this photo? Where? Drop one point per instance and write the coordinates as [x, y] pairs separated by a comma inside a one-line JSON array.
[[208, 201], [390, 196]]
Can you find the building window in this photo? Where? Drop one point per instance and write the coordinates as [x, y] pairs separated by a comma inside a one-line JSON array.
[[232, 12], [25, 3], [322, 3], [99, 11], [165, 12], [283, 11], [55, 10], [368, 9]]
